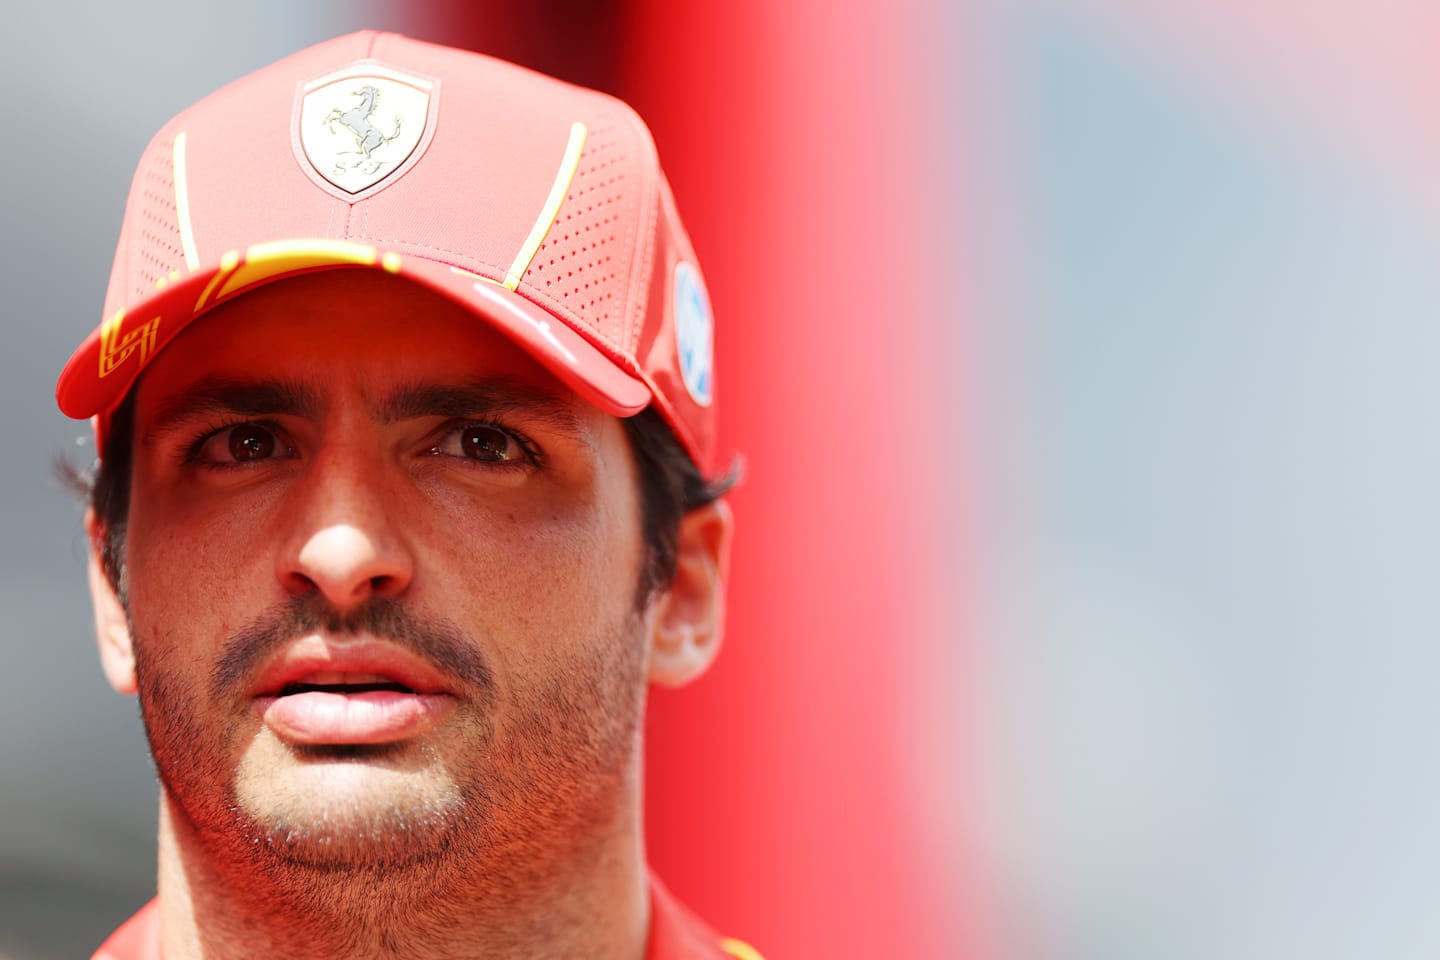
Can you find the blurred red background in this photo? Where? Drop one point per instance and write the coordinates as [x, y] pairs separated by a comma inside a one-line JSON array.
[[782, 788]]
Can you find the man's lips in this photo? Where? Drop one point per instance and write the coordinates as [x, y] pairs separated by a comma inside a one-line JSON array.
[[321, 692]]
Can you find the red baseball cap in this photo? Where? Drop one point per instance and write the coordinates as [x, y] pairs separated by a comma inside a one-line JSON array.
[[539, 205]]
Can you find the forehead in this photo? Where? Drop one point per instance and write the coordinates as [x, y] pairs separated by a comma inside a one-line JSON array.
[[332, 328]]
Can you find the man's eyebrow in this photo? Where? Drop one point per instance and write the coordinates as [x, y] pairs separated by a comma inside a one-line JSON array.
[[245, 398], [492, 396]]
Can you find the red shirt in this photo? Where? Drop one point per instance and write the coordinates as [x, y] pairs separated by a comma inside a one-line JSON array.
[[675, 934]]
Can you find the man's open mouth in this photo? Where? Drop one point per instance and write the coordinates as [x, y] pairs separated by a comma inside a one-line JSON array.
[[344, 684], [349, 695]]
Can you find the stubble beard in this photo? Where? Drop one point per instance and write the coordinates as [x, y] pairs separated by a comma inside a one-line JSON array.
[[490, 829]]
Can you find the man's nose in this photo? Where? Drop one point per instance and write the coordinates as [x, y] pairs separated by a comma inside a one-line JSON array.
[[344, 541]]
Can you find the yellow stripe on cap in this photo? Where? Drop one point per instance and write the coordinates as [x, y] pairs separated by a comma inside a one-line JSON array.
[[266, 260], [568, 165], [461, 272], [739, 949], [228, 262], [182, 204]]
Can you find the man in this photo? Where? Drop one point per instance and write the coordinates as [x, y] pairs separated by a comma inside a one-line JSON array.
[[403, 397]]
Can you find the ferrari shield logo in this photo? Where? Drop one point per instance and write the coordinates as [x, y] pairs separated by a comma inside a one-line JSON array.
[[359, 126]]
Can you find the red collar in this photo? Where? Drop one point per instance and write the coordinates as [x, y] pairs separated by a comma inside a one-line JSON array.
[[675, 934], [137, 939]]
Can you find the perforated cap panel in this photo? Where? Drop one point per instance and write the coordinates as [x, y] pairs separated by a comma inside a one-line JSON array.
[[579, 262], [157, 250]]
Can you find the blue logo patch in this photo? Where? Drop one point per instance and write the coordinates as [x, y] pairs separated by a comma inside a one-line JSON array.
[[694, 333]]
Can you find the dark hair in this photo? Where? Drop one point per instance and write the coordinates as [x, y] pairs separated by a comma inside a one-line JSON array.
[[671, 485]]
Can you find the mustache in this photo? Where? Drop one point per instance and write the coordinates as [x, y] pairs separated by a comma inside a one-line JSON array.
[[433, 639]]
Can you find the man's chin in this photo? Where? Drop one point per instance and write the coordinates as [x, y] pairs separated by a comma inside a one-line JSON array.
[[349, 806]]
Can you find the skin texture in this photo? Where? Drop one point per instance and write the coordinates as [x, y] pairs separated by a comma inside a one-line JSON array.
[[344, 465]]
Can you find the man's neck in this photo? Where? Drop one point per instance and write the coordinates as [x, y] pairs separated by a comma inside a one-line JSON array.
[[219, 907]]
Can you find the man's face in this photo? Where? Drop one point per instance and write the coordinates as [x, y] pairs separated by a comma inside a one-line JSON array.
[[380, 574]]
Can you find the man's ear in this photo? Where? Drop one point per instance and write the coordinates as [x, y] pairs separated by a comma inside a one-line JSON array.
[[112, 629], [689, 616]]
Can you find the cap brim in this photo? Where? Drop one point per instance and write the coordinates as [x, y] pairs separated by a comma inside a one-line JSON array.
[[106, 365]]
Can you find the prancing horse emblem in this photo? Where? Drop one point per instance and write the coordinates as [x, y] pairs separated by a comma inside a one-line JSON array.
[[368, 137], [362, 126]]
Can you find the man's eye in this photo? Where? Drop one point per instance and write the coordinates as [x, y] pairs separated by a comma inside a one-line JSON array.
[[245, 443], [481, 441]]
